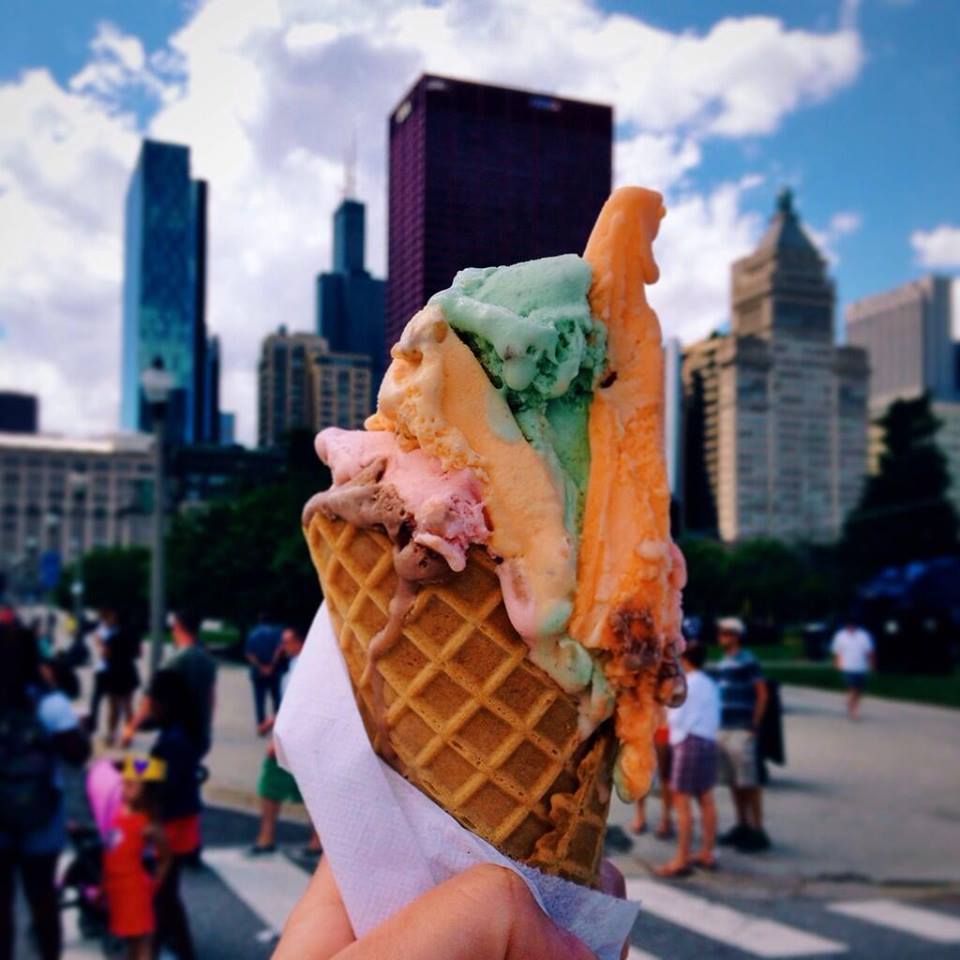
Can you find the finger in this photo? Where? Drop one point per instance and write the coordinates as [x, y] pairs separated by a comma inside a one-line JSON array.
[[486, 913], [613, 884], [318, 928], [611, 881]]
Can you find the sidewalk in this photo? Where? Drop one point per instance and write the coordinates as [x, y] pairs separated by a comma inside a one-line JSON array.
[[877, 800]]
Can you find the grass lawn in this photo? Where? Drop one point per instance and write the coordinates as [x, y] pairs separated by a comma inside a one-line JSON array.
[[937, 691]]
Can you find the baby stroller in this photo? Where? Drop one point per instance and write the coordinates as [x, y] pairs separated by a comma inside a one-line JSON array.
[[81, 881]]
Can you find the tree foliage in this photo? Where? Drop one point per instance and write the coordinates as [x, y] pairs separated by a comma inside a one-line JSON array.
[[904, 513], [236, 558], [764, 579], [114, 577]]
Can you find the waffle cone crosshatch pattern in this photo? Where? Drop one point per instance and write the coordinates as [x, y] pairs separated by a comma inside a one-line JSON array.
[[470, 720]]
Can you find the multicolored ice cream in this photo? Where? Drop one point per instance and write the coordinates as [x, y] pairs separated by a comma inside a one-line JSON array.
[[522, 415]]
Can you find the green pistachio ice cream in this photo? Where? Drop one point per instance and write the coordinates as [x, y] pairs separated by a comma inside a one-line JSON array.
[[530, 327]]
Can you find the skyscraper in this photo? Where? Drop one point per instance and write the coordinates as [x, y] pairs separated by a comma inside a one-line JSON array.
[[165, 288], [18, 412], [780, 409], [908, 335], [482, 176], [303, 384], [350, 303], [210, 394]]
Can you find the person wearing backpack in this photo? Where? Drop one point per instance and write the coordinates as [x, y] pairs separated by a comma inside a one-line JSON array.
[[38, 729]]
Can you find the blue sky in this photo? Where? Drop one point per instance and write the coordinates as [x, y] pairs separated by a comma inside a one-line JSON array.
[[863, 124]]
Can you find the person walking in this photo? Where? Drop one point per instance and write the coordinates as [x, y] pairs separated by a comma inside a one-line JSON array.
[[120, 677], [853, 655], [102, 636], [743, 702], [199, 672], [276, 785], [38, 730], [693, 740], [262, 652]]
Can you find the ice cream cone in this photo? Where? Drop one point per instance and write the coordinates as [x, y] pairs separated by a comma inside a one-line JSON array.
[[455, 705]]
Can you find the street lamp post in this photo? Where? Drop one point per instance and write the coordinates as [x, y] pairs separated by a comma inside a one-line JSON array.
[[157, 383], [77, 485]]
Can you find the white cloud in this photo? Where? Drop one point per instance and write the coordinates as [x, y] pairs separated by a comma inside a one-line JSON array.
[[268, 94], [841, 224], [937, 249]]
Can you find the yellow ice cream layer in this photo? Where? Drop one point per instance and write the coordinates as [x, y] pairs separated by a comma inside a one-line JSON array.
[[437, 396]]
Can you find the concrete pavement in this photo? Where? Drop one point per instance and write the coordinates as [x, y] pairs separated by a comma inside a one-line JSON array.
[[876, 800]]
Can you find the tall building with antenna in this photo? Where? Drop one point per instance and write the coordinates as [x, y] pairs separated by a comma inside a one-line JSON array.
[[350, 302]]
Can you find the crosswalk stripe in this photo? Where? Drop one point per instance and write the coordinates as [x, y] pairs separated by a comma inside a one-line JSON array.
[[269, 885], [762, 938], [927, 924]]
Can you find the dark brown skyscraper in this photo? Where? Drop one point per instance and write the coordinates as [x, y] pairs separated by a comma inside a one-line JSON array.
[[481, 176]]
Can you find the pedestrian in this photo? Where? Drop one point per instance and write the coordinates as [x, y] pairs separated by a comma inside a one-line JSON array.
[[38, 729], [128, 885], [693, 730], [102, 635], [262, 651], [853, 656], [277, 786], [121, 650], [199, 672], [177, 746], [664, 831], [743, 702]]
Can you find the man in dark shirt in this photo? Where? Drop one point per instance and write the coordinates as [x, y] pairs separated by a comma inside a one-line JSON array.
[[262, 652], [199, 672], [743, 701]]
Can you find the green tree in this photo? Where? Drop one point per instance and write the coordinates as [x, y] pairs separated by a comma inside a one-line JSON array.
[[115, 577], [904, 513], [237, 558], [707, 562]]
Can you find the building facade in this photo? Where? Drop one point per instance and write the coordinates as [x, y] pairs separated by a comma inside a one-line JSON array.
[[18, 412], [164, 290], [68, 496], [305, 385], [908, 335], [483, 175], [781, 409], [350, 302]]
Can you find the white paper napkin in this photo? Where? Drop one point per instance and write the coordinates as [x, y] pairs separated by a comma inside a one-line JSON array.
[[386, 842]]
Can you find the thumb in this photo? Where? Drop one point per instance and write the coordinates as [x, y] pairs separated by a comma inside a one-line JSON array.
[[485, 913]]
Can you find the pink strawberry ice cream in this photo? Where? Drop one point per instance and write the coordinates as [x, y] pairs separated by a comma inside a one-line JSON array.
[[444, 511]]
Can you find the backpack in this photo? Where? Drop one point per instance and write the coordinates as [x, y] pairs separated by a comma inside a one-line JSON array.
[[29, 797]]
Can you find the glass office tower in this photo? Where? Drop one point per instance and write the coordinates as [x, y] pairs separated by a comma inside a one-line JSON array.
[[165, 289]]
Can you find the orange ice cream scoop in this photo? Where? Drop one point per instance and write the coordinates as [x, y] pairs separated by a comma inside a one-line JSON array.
[[630, 573]]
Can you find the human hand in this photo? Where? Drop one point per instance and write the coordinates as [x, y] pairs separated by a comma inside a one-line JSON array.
[[485, 913]]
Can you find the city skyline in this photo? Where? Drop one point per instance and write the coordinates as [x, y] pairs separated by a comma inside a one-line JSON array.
[[714, 106]]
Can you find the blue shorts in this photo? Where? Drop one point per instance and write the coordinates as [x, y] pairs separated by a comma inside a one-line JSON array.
[[855, 680]]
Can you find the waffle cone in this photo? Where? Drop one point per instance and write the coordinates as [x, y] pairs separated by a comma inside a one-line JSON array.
[[469, 720]]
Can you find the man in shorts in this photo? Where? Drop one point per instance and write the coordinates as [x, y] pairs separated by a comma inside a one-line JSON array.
[[743, 701], [852, 650], [276, 786]]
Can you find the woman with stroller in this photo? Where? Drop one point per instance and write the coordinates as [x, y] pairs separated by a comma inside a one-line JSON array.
[[38, 729]]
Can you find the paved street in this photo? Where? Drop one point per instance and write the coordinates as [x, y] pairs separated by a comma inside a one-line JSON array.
[[864, 818]]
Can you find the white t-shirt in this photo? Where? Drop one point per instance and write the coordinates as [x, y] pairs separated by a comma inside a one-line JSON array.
[[852, 649], [699, 714]]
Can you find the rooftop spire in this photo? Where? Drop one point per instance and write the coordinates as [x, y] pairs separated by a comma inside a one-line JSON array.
[[350, 168]]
